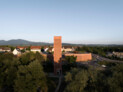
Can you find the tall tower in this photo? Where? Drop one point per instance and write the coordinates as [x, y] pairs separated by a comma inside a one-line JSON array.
[[57, 54]]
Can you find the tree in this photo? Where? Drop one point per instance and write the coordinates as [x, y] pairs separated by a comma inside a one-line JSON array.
[[23, 51], [8, 70], [39, 57], [28, 48], [26, 58], [116, 80], [82, 80], [70, 59], [30, 78], [78, 81], [93, 80]]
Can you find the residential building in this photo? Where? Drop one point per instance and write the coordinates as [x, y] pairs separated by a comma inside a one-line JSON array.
[[51, 49], [35, 48], [22, 47], [16, 52], [67, 49], [118, 54], [5, 49], [46, 48], [1, 50]]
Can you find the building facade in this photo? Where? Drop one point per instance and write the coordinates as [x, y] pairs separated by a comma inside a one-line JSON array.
[[17, 52], [81, 57], [35, 48]]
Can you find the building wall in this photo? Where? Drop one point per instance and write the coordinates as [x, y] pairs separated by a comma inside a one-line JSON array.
[[0, 49], [57, 54], [67, 50], [35, 50], [57, 49], [81, 57], [15, 52]]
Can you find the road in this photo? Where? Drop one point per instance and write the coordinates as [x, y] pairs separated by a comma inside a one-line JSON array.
[[100, 58]]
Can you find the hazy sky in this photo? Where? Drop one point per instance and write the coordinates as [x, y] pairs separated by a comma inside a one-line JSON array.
[[77, 21]]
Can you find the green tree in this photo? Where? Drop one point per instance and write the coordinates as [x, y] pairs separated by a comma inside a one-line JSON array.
[[82, 80], [25, 59], [116, 80], [70, 59], [28, 48], [30, 78], [78, 82], [23, 50], [8, 70], [39, 57], [93, 80]]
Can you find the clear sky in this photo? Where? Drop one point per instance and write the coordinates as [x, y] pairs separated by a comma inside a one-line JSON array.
[[77, 21]]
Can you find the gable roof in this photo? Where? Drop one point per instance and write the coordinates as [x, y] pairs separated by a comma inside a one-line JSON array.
[[66, 47], [24, 47], [5, 48], [35, 47]]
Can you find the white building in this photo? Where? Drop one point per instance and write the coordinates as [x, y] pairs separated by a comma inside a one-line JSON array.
[[5, 49], [16, 52], [35, 48], [67, 49], [46, 49], [0, 49]]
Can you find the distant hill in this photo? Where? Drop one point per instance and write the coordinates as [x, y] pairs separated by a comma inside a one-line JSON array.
[[16, 42], [21, 42]]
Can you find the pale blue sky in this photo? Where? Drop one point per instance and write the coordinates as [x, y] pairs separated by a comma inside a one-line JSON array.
[[77, 21]]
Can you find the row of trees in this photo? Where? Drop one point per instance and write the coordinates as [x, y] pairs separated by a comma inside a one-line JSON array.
[[24, 74], [101, 48], [69, 62], [93, 80]]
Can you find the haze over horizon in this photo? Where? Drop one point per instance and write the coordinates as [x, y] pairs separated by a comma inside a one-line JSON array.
[[77, 21]]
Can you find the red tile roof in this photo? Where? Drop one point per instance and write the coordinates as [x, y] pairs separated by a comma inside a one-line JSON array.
[[5, 48], [35, 47]]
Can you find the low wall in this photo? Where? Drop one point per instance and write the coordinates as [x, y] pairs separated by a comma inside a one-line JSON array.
[[81, 57]]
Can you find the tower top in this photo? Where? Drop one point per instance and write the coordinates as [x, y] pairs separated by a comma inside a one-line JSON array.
[[57, 37]]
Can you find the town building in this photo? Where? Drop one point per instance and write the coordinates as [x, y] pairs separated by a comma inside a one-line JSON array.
[[51, 49], [68, 49], [118, 54], [16, 52], [46, 48], [35, 48], [0, 49], [5, 49], [22, 47]]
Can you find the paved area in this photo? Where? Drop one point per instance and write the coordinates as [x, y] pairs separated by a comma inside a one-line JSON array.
[[100, 58]]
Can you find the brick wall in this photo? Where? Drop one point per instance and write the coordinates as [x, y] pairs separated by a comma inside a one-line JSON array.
[[57, 54], [81, 57]]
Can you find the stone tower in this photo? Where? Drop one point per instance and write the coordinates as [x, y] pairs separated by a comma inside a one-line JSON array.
[[57, 55]]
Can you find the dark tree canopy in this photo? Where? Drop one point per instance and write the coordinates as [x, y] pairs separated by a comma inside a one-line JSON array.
[[22, 74], [92, 80], [70, 59], [30, 78]]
